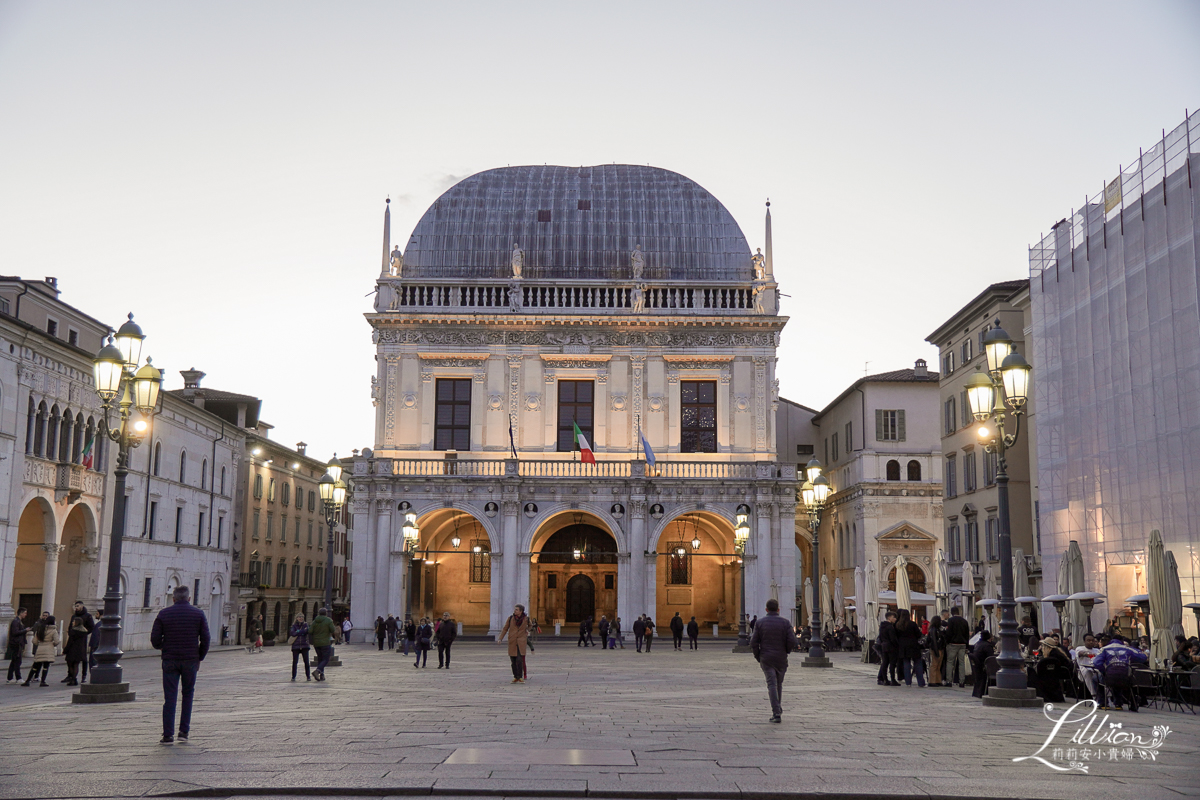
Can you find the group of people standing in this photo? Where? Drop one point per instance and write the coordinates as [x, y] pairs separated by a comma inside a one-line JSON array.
[[320, 635], [42, 638], [419, 636], [902, 642]]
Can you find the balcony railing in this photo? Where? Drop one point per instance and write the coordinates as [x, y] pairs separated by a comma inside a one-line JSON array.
[[597, 298], [669, 470]]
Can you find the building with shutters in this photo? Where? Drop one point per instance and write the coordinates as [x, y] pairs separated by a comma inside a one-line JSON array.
[[624, 300], [880, 444], [972, 523]]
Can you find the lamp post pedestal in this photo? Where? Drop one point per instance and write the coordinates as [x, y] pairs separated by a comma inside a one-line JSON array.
[[743, 640]]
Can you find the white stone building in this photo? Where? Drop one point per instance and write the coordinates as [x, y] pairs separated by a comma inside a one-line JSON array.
[[881, 447], [51, 504], [179, 515], [623, 299]]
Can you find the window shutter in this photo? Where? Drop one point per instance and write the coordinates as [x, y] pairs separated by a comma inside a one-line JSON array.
[[900, 425], [879, 424], [966, 409]]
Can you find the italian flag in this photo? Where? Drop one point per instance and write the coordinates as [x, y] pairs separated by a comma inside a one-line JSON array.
[[87, 452], [585, 449]]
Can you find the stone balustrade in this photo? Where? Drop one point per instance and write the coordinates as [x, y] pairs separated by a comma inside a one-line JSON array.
[[596, 297], [560, 468]]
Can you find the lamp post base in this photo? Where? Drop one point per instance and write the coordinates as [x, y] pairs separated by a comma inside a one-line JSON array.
[[1011, 698], [742, 648], [90, 693], [816, 661]]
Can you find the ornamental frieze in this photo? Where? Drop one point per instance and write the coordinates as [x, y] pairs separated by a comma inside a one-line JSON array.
[[680, 339]]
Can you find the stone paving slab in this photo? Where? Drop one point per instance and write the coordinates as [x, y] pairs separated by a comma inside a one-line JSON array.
[[693, 725]]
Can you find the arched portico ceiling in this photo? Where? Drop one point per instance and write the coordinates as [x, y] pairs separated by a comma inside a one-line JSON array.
[[549, 521], [437, 524], [717, 523], [40, 508]]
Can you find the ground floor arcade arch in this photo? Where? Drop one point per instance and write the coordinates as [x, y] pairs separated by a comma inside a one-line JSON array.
[[451, 570], [47, 567], [574, 569], [696, 571]]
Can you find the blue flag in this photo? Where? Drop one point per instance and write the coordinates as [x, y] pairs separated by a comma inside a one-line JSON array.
[[646, 449]]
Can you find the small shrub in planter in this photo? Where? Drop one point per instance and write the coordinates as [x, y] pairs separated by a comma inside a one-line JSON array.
[[269, 638]]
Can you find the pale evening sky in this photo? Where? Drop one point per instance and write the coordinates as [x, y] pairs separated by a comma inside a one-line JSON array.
[[219, 169]]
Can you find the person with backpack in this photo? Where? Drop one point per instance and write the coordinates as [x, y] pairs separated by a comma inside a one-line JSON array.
[[773, 639], [935, 642], [677, 631], [649, 635], [424, 641], [1115, 664]]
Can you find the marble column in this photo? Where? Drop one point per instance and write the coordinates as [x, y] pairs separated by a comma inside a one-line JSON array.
[[50, 575], [362, 580], [383, 557], [636, 572]]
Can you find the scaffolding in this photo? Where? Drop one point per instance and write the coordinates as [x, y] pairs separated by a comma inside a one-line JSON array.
[[1116, 354]]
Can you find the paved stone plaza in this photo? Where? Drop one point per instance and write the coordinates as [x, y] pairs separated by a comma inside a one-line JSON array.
[[667, 724]]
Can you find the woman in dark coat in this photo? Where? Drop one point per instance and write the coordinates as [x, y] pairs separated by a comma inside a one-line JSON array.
[[908, 636], [299, 636], [1053, 667], [380, 631], [424, 641], [936, 639], [76, 648]]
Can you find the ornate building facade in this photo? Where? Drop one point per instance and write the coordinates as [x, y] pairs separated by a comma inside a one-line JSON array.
[[532, 305]]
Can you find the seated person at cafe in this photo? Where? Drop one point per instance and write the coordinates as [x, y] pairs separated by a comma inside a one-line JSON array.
[[1053, 665], [1026, 634], [1116, 662], [1182, 658], [1083, 656]]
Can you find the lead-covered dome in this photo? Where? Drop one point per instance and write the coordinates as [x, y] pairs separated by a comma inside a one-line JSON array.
[[578, 223]]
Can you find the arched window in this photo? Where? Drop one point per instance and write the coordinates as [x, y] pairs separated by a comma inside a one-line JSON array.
[[182, 465], [30, 426], [287, 494], [79, 440], [52, 432], [893, 470], [914, 470], [64, 439], [204, 474], [222, 480], [39, 432], [157, 458], [258, 487]]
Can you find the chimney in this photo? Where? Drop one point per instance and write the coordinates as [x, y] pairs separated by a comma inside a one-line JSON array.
[[921, 369], [191, 382], [301, 447]]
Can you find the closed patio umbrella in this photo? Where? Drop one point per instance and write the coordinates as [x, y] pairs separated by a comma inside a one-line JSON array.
[[1064, 589], [860, 599], [1157, 586], [941, 581], [871, 597], [1078, 617], [839, 600], [1174, 597], [808, 600], [826, 606], [990, 590], [903, 590], [969, 595]]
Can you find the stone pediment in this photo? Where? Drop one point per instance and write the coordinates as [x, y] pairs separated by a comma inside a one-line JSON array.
[[905, 531]]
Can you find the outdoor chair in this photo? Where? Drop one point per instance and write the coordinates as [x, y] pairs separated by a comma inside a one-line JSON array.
[[1144, 687]]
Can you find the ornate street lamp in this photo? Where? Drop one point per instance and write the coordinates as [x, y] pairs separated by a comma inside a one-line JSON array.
[[741, 535], [1005, 388], [124, 387], [332, 490], [814, 493]]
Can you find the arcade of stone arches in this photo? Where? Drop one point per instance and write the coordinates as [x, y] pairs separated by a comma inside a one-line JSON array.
[[575, 570], [53, 542]]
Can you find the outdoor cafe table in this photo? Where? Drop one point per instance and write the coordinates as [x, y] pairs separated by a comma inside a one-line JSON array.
[[1168, 687]]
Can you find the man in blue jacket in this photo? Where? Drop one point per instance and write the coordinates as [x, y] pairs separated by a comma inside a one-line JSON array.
[[181, 632], [1116, 663], [773, 639]]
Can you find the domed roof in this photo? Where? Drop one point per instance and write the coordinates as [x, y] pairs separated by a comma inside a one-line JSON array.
[[578, 223]]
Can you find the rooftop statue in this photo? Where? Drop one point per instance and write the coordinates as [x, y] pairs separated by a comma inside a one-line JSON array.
[[397, 261], [760, 265], [639, 299], [638, 262], [518, 260]]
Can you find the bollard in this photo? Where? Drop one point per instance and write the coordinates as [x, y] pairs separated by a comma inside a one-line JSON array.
[[716, 630], [557, 629], [460, 629]]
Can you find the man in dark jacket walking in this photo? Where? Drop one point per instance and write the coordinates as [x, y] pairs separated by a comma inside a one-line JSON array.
[[639, 631], [603, 626], [391, 626], [446, 633], [181, 632], [677, 630], [693, 631], [889, 651], [773, 639], [958, 635], [16, 644]]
